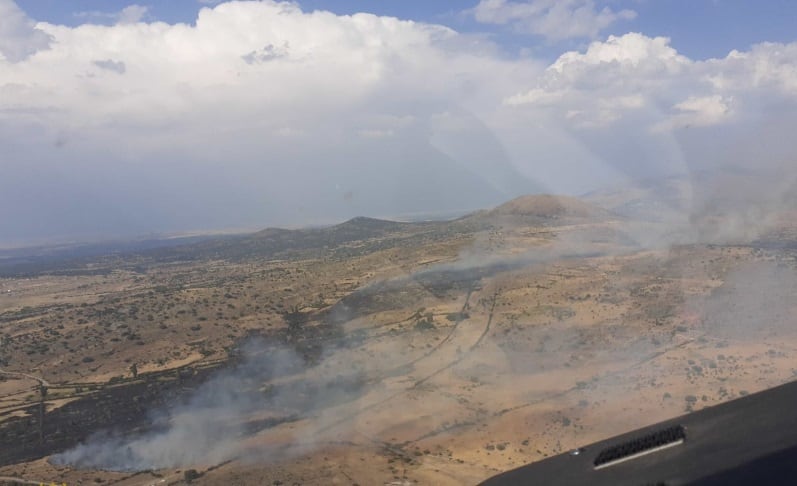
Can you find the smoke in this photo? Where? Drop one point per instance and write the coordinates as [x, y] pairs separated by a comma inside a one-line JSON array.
[[755, 303], [212, 425], [727, 205]]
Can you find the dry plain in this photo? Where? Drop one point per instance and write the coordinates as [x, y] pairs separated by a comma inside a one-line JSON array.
[[376, 352]]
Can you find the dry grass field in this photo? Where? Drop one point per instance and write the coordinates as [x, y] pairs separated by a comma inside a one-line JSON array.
[[376, 352]]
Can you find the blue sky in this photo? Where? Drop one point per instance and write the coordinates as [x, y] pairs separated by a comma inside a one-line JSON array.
[[699, 29], [122, 119]]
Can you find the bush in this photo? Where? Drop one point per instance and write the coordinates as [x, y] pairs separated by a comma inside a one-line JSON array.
[[190, 475], [424, 325]]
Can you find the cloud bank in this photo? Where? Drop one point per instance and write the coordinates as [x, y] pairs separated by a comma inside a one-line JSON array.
[[261, 113]]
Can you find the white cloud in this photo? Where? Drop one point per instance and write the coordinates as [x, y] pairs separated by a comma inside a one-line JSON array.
[[632, 49], [132, 14], [537, 96], [258, 110], [553, 19], [640, 108], [608, 82], [19, 36], [698, 112], [645, 79], [708, 109], [765, 66], [257, 105], [128, 15]]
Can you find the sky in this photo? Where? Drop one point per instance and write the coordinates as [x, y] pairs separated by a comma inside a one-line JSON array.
[[120, 119]]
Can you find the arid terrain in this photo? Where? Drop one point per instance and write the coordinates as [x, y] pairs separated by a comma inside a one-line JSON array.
[[378, 352]]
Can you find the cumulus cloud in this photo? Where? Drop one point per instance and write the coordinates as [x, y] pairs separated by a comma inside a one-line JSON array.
[[128, 15], [20, 38], [132, 14], [699, 111], [260, 113], [555, 20], [642, 78], [645, 110]]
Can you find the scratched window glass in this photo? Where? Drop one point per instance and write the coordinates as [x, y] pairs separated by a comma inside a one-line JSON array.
[[350, 242]]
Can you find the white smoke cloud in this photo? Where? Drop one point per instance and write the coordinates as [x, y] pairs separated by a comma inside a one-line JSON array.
[[212, 424]]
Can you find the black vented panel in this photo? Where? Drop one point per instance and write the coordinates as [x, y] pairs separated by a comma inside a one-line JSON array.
[[670, 435]]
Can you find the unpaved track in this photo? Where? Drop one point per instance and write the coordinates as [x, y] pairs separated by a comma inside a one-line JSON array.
[[12, 479], [41, 381], [429, 375]]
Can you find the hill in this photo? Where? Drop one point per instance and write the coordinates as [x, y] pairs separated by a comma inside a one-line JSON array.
[[542, 209], [358, 235], [547, 206]]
